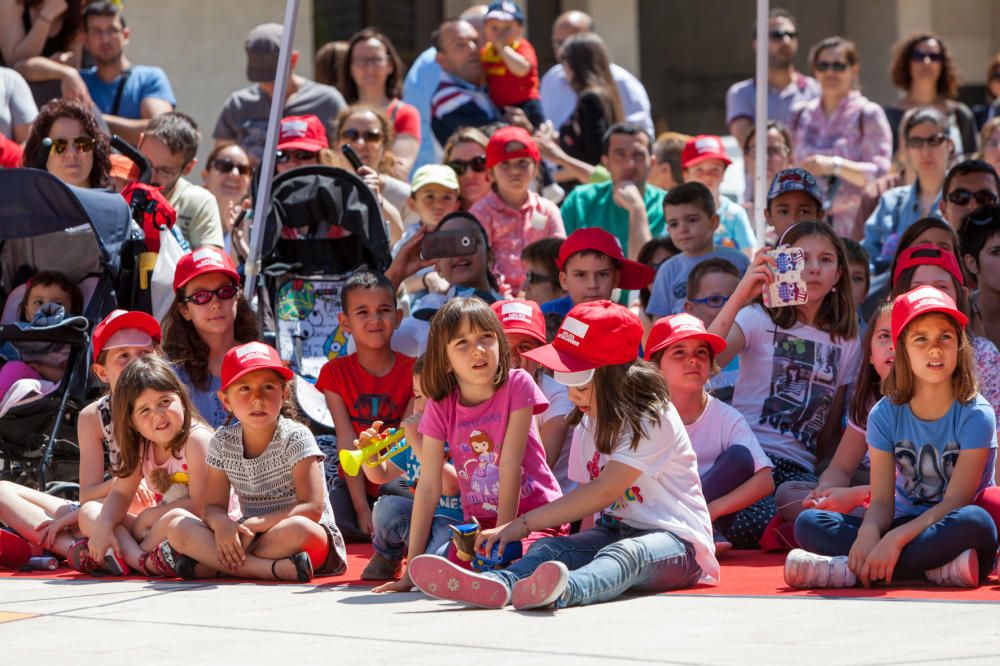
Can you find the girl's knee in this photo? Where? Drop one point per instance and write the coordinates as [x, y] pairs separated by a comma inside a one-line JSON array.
[[389, 507], [180, 528]]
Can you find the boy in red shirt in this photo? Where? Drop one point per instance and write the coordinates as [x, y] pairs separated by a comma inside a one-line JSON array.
[[372, 384]]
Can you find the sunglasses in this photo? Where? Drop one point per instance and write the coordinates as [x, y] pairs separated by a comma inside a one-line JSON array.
[[835, 66], [222, 165], [300, 155], [370, 136], [204, 296], [782, 34], [921, 56], [532, 277], [715, 301], [477, 164], [962, 196], [919, 142], [82, 144]]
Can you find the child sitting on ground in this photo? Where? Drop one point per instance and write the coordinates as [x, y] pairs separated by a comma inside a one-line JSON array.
[[793, 197], [709, 287], [691, 223], [541, 274], [704, 161]]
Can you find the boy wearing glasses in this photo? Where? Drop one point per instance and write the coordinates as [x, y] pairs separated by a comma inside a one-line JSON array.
[[968, 185], [689, 210], [541, 273], [709, 287], [979, 238]]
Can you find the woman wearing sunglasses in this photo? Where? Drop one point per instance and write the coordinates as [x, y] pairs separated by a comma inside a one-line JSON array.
[[924, 70], [465, 152], [80, 152], [208, 318], [227, 176], [841, 137]]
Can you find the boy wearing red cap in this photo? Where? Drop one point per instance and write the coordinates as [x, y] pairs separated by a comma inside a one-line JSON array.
[[591, 266], [511, 213], [704, 160]]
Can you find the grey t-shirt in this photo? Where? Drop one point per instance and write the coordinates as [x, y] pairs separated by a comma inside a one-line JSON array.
[[244, 115], [17, 106], [670, 286]]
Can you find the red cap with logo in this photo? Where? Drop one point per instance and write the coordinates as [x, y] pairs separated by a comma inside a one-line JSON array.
[[673, 329], [499, 149], [125, 328], [521, 316], [631, 274], [593, 335], [703, 147], [204, 260], [302, 133], [926, 254], [920, 301], [250, 357]]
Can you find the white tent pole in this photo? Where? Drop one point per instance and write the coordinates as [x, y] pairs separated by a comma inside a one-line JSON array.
[[270, 148], [760, 183]]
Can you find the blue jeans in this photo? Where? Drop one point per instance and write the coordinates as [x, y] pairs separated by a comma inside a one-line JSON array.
[[391, 528], [607, 560], [831, 533]]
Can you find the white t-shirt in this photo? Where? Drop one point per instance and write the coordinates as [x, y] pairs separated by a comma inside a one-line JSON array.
[[559, 99], [787, 382], [666, 495], [719, 427], [559, 407]]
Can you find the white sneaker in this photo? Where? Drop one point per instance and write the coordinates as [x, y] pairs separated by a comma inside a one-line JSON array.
[[806, 571], [963, 571]]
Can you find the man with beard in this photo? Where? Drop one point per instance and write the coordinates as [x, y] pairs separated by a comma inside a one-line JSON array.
[[461, 99], [785, 85], [128, 95]]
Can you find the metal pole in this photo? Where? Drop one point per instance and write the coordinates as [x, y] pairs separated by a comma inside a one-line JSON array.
[[760, 183], [270, 148]]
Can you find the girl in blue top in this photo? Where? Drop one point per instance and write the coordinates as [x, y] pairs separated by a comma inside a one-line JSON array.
[[933, 449]]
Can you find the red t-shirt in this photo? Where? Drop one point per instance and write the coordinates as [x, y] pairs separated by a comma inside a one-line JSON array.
[[10, 153], [404, 117], [369, 398], [505, 88]]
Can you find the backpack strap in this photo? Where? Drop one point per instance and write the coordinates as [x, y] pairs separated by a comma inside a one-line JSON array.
[[119, 90]]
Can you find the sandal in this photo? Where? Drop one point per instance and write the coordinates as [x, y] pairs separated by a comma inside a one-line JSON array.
[[303, 567]]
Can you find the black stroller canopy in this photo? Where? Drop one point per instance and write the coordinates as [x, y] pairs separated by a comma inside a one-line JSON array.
[[34, 202]]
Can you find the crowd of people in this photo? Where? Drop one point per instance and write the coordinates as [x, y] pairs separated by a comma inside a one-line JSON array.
[[609, 376]]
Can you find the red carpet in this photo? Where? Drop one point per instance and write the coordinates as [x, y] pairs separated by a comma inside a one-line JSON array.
[[744, 574]]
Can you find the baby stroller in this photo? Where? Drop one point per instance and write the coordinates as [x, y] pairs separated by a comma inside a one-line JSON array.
[[45, 223]]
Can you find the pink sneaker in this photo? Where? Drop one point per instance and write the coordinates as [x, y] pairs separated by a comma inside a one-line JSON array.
[[963, 571], [542, 587], [437, 577]]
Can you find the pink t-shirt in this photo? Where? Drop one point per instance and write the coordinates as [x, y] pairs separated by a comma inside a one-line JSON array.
[[475, 438]]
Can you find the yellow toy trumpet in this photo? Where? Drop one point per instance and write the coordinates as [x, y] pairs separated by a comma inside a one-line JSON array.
[[381, 448]]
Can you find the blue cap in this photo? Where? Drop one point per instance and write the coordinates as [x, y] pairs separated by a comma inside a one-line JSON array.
[[794, 180], [504, 11]]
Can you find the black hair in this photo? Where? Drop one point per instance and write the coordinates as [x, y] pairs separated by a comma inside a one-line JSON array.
[[365, 280], [857, 254], [103, 8], [626, 127], [966, 167], [691, 193], [777, 12], [977, 228]]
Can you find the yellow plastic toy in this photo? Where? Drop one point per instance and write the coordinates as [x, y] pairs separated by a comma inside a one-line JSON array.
[[380, 448]]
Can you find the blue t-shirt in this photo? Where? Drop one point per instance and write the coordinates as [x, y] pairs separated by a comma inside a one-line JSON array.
[[449, 506], [927, 451], [561, 306], [670, 286], [143, 82], [734, 229], [206, 402]]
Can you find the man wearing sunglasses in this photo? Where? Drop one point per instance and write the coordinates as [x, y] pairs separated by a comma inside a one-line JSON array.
[[244, 115], [170, 143], [785, 85], [128, 95], [968, 185]]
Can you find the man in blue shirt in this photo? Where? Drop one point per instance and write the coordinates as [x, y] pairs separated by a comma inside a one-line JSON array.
[[128, 95]]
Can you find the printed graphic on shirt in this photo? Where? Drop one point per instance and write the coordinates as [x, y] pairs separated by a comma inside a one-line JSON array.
[[632, 494], [308, 328], [481, 470], [802, 387], [372, 407], [925, 473]]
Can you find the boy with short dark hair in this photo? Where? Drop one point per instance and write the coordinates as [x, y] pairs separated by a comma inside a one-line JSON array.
[[858, 265], [794, 196], [689, 210], [591, 266], [979, 238], [541, 273], [372, 384], [709, 287]]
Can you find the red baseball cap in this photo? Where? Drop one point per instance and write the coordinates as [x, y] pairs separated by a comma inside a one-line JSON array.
[[521, 316], [247, 358], [703, 147], [673, 329], [926, 254], [631, 274], [499, 149], [302, 133], [204, 260], [593, 335], [919, 301], [125, 328]]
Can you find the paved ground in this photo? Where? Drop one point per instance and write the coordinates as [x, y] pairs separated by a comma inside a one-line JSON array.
[[130, 622]]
